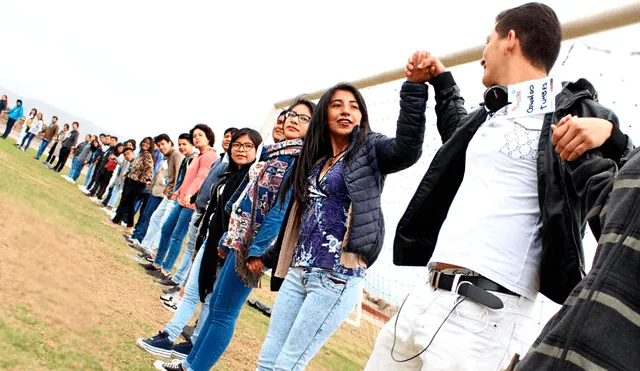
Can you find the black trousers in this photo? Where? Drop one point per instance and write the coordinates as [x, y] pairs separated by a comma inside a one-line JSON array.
[[101, 184], [64, 155], [130, 195], [52, 158]]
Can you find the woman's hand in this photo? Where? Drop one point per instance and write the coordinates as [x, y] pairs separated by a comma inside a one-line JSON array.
[[221, 253], [255, 265], [422, 67]]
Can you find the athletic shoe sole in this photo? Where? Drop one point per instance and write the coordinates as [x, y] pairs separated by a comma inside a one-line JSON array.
[[179, 356], [153, 350]]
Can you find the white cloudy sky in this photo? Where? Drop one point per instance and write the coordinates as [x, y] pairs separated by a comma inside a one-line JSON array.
[[144, 67]]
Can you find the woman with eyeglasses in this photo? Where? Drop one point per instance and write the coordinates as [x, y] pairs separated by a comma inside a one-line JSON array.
[[255, 217], [335, 228]]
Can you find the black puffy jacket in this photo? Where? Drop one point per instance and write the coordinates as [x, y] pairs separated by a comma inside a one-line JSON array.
[[562, 265], [365, 175]]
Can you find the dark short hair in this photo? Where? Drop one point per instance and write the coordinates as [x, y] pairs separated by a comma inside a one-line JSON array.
[[114, 137], [54, 117], [19, 101], [65, 126], [102, 135], [132, 141], [76, 123], [127, 149], [231, 130], [283, 112], [207, 131], [162, 137], [187, 137], [253, 135], [538, 29]]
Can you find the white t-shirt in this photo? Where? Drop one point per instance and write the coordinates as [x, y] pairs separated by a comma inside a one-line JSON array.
[[493, 225], [36, 127]]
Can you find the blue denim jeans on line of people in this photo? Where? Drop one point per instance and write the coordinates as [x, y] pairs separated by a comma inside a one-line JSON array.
[[188, 305], [182, 273], [173, 232], [229, 295], [43, 146], [140, 229], [310, 306]]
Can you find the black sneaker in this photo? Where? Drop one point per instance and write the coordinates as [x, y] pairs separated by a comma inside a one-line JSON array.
[[149, 267], [157, 274], [181, 351], [175, 365], [165, 282], [127, 238], [171, 290], [159, 345]]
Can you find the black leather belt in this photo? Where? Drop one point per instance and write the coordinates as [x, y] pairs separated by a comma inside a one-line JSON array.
[[477, 289]]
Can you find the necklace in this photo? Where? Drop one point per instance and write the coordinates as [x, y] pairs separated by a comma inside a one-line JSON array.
[[333, 159]]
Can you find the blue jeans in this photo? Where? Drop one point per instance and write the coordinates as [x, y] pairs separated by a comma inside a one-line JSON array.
[[90, 172], [180, 277], [28, 137], [159, 217], [76, 169], [115, 193], [43, 146], [311, 305], [227, 299], [140, 229], [172, 236], [188, 305]]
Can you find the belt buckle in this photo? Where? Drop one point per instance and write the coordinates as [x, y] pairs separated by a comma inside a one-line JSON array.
[[434, 278]]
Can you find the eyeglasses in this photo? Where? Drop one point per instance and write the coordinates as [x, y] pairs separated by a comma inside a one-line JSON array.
[[304, 119], [245, 146]]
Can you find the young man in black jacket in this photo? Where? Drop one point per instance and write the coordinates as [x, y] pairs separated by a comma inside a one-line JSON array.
[[496, 219]]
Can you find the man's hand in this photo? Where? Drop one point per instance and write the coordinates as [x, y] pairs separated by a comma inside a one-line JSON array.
[[255, 265], [422, 67], [574, 135], [221, 253], [174, 197]]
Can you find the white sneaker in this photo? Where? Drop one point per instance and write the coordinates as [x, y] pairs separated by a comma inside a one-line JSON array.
[[175, 365], [82, 188], [70, 180], [94, 199]]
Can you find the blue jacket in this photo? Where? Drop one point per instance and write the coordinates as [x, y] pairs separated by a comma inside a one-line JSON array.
[[15, 113], [204, 195]]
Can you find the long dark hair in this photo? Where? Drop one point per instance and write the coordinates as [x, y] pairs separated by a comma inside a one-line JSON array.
[[151, 151], [119, 149], [317, 142], [253, 135]]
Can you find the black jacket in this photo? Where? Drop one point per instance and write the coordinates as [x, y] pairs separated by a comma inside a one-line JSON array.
[[562, 265], [366, 171]]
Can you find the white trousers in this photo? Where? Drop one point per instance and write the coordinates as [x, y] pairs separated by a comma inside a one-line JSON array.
[[473, 337], [151, 240]]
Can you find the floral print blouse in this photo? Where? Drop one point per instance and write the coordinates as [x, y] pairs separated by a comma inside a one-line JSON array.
[[324, 222]]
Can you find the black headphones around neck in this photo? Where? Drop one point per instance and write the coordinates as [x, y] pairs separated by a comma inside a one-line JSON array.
[[495, 97]]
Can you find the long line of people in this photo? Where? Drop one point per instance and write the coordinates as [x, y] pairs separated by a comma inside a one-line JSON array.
[[496, 219]]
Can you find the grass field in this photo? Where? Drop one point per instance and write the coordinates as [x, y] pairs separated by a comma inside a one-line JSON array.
[[72, 299]]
